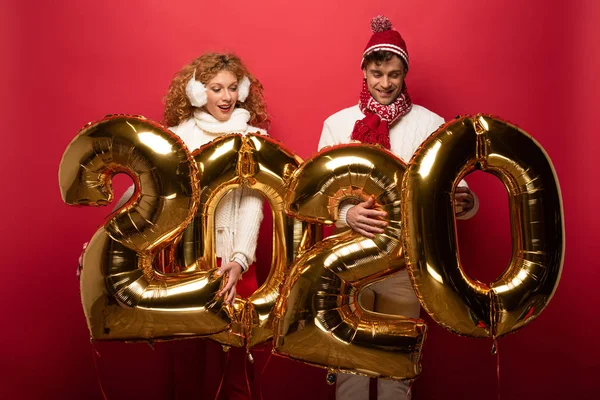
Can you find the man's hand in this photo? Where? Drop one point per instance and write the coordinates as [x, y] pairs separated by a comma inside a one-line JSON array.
[[464, 201], [233, 271], [362, 218]]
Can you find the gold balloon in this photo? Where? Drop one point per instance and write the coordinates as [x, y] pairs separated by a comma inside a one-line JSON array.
[[123, 295], [257, 162], [319, 316], [454, 300], [268, 166]]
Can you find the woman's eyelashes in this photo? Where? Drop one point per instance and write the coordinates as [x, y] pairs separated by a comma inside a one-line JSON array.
[[218, 89]]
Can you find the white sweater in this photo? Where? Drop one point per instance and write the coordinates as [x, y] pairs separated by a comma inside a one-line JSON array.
[[239, 213], [406, 136]]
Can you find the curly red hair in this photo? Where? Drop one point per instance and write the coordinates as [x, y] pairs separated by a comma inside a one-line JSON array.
[[178, 107]]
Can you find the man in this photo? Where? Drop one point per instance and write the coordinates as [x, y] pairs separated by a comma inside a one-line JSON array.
[[385, 115]]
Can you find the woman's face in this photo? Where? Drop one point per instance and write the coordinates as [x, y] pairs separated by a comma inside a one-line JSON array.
[[221, 95]]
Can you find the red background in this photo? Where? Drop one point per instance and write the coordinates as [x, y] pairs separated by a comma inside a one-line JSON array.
[[70, 62]]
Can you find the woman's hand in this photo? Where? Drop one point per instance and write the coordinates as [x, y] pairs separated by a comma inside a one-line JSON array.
[[80, 260], [233, 271]]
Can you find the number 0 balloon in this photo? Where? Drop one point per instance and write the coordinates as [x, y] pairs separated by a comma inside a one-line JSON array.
[[453, 299]]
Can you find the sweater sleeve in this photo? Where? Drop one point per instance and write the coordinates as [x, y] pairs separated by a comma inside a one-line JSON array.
[[325, 140], [250, 215], [326, 137], [249, 218], [345, 206]]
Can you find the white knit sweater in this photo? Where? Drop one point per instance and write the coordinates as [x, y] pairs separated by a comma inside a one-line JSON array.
[[406, 136], [239, 213]]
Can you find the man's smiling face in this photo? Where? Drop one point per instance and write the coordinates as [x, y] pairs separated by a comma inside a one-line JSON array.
[[385, 80]]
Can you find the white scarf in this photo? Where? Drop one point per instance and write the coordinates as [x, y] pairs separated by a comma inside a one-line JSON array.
[[237, 123]]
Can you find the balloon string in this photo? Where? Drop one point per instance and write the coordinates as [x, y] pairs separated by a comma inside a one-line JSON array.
[[246, 374], [267, 363], [94, 355], [222, 376], [261, 374], [408, 392], [496, 351]]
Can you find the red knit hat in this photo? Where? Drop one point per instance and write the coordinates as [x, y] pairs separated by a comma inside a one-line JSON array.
[[385, 38]]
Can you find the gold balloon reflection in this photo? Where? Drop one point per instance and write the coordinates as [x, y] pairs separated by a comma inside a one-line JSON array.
[[259, 163], [320, 319], [454, 300], [123, 295]]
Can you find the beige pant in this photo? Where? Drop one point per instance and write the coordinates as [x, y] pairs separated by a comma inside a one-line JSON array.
[[394, 295]]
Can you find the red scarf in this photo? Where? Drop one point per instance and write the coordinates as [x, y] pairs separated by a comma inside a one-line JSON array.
[[374, 127]]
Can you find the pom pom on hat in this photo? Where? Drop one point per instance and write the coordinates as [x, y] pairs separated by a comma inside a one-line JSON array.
[[380, 23], [385, 38]]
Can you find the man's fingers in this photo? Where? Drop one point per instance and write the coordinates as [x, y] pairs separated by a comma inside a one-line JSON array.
[[368, 203], [372, 222], [464, 200], [369, 228], [364, 233], [366, 220], [371, 217], [374, 213]]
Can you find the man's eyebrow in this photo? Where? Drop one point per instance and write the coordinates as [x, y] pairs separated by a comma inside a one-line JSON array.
[[395, 71]]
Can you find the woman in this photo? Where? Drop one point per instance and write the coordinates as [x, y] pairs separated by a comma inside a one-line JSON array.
[[211, 96], [214, 95]]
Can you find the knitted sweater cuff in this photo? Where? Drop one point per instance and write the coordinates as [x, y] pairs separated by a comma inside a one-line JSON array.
[[344, 207], [242, 260]]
